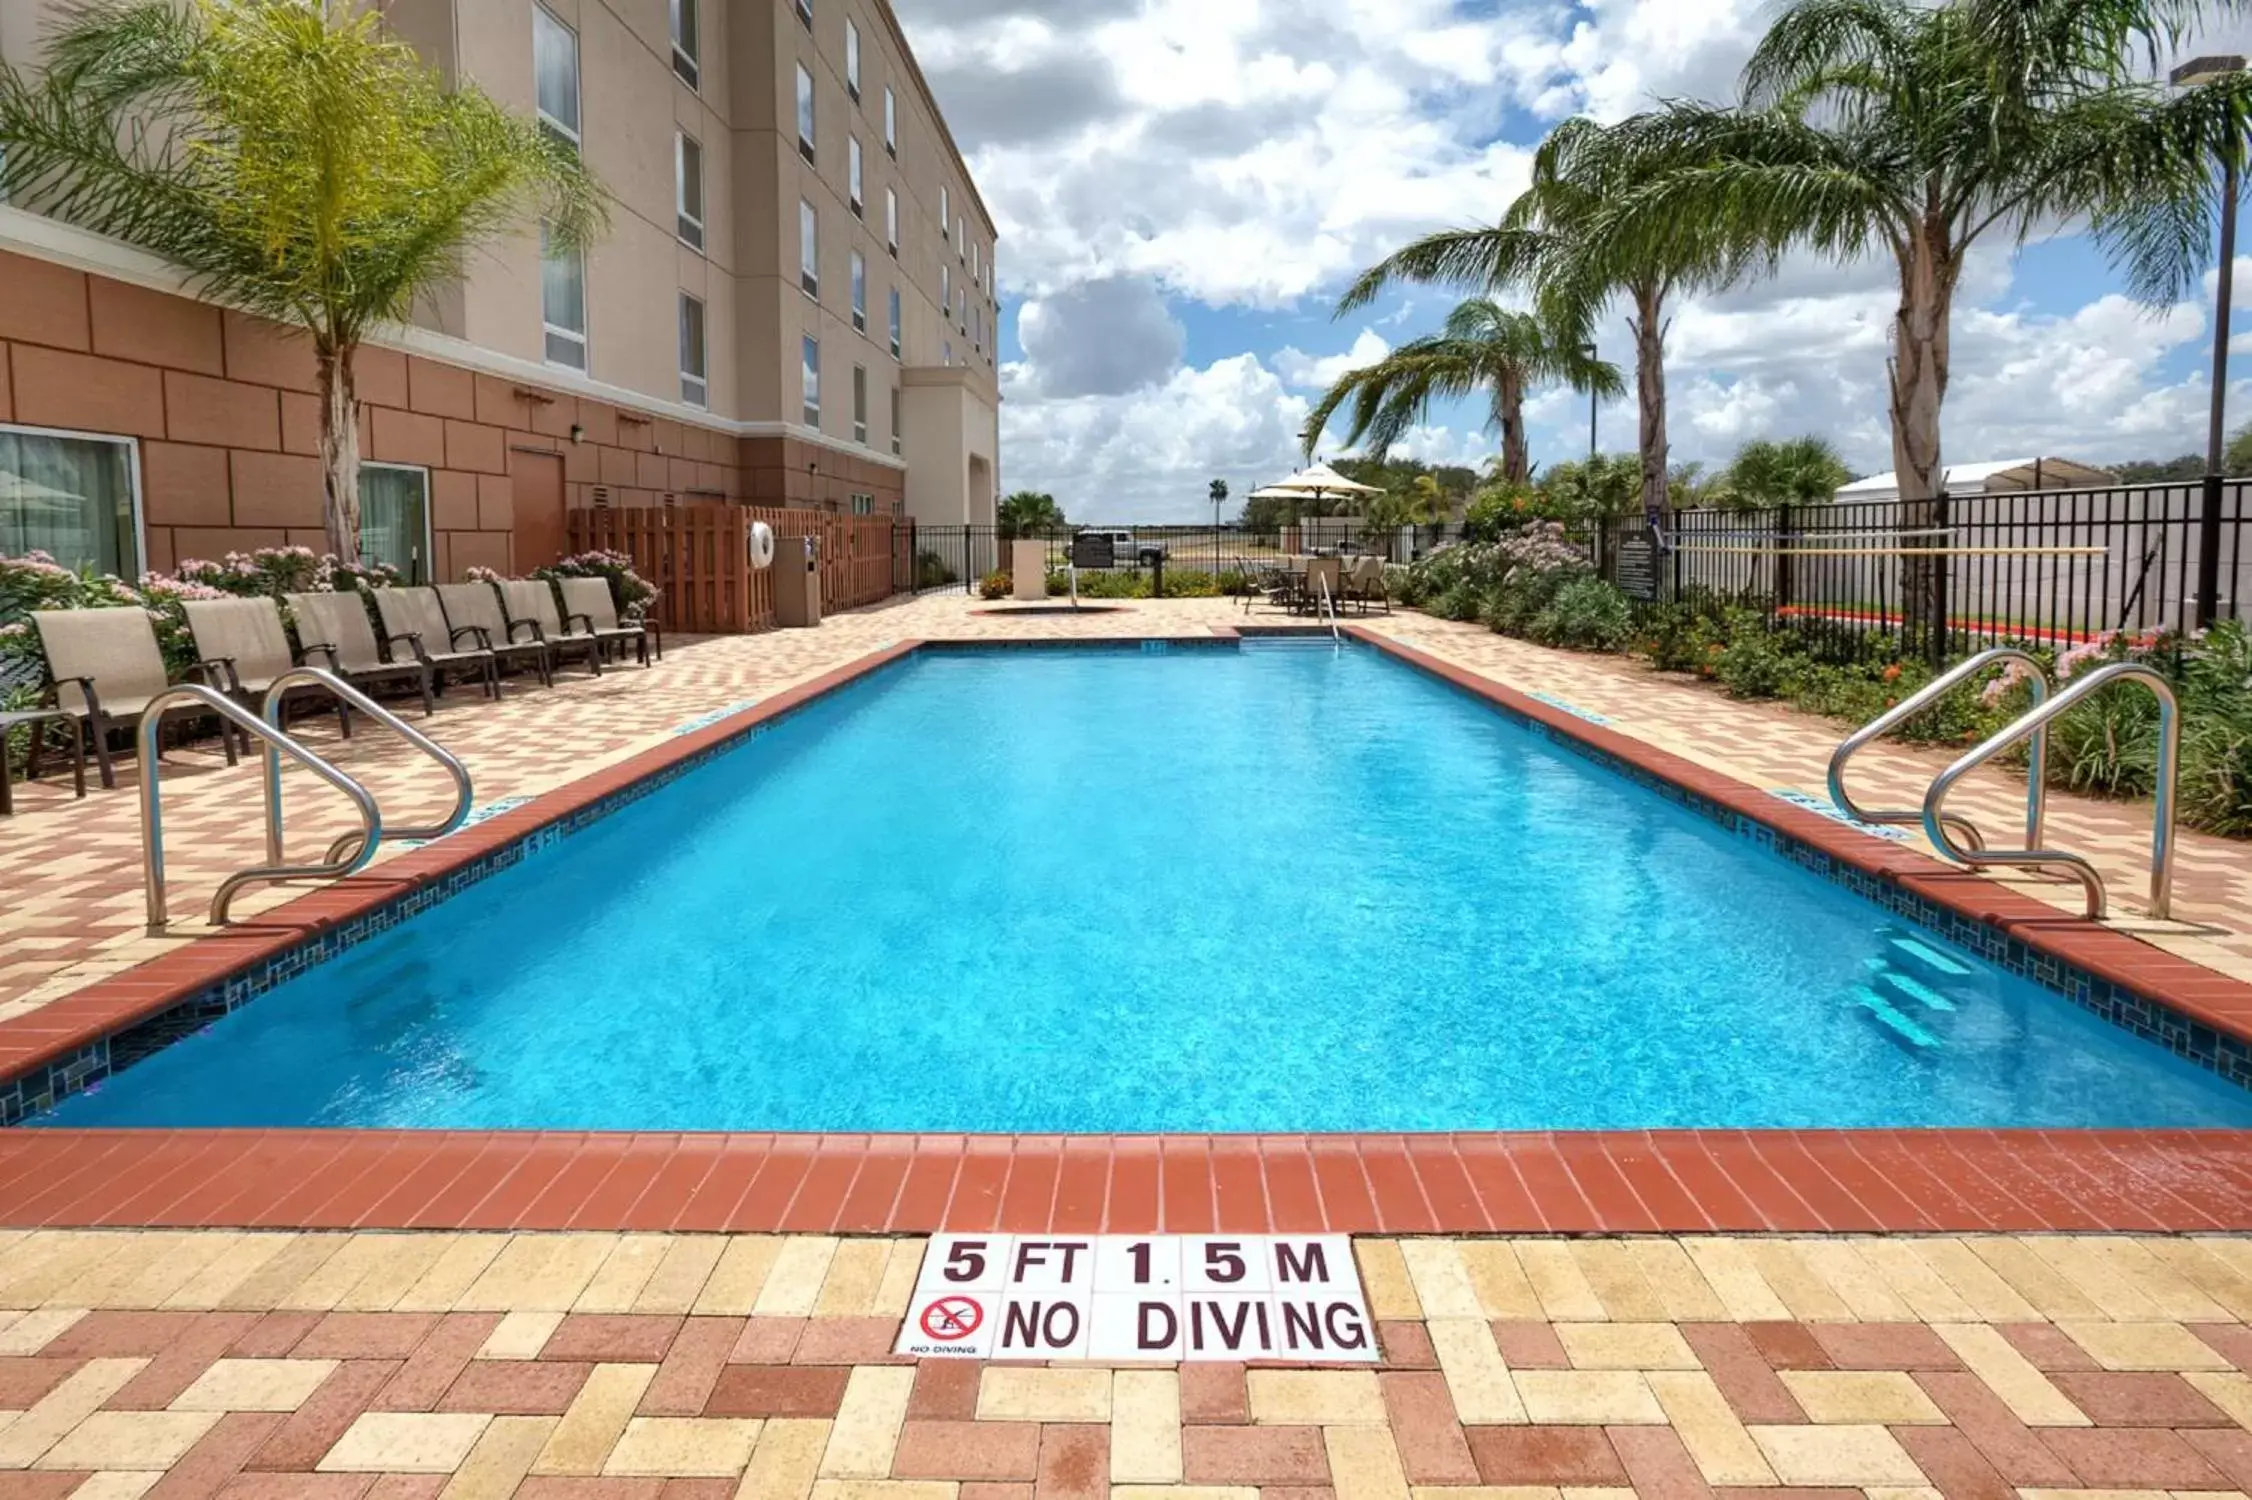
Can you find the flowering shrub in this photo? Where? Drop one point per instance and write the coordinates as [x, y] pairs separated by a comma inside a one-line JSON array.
[[995, 585], [484, 575], [632, 593]]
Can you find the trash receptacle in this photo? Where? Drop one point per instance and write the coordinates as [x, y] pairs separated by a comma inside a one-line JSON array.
[[797, 585]]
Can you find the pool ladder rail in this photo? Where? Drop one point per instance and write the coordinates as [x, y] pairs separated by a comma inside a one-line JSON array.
[[1329, 609], [1957, 839], [348, 853]]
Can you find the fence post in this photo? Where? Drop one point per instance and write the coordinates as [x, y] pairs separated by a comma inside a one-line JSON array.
[[1942, 580], [1786, 580]]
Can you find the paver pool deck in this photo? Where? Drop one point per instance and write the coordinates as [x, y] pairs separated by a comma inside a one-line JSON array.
[[565, 1361]]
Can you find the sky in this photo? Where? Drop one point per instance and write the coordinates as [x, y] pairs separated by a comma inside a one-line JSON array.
[[1182, 188]]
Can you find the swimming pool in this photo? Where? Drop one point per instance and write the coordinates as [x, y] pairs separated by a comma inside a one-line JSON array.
[[1277, 888]]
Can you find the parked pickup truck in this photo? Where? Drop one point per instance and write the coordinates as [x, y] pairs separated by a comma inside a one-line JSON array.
[[1129, 552]]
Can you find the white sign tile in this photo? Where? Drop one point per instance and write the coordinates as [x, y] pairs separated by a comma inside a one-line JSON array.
[[1116, 1298]]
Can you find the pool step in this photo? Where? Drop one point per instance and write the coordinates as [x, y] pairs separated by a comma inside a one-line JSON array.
[[1914, 991], [1882, 1011]]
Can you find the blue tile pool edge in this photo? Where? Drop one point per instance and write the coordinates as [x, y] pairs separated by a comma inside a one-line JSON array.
[[41, 1087]]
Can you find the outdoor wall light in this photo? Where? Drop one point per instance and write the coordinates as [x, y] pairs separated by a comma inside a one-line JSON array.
[[578, 433]]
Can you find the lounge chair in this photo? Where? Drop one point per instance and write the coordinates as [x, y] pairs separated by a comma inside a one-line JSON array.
[[1364, 583], [107, 669], [334, 630], [530, 606], [476, 606], [242, 649], [587, 601], [1325, 576], [414, 621]]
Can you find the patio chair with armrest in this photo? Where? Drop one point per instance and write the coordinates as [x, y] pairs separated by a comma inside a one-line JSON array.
[[333, 629], [587, 601], [476, 606], [529, 604], [414, 623], [107, 668], [242, 648]]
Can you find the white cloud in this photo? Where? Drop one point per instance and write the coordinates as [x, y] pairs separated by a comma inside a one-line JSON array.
[[1318, 372], [1097, 338]]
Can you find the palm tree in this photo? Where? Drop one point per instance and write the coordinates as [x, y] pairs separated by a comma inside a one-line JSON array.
[[1891, 127], [1217, 491], [1428, 503], [1796, 471], [1542, 245], [1483, 346], [295, 160], [1028, 513]]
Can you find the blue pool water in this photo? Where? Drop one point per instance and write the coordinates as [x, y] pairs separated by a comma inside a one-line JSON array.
[[1285, 888]]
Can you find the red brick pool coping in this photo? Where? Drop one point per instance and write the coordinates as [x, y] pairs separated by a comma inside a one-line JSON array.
[[1624, 1182]]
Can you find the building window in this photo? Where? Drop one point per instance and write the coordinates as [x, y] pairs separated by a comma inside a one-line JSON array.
[[895, 421], [895, 322], [805, 113], [395, 518], [692, 388], [960, 239], [688, 189], [977, 329], [852, 60], [864, 505], [71, 496], [805, 13], [859, 293], [563, 300], [852, 173], [859, 404], [684, 41], [944, 213], [946, 352], [809, 249], [977, 272], [809, 379], [891, 222], [555, 62], [945, 288], [891, 123]]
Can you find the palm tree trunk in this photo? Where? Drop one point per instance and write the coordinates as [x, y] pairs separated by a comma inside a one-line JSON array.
[[1509, 405], [1650, 391], [340, 453], [1919, 388]]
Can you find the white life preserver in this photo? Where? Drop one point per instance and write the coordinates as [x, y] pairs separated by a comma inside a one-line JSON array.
[[762, 545]]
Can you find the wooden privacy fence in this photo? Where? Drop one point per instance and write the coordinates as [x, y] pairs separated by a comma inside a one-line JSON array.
[[698, 556]]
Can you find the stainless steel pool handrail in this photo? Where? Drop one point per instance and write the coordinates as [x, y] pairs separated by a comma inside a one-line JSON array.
[[1915, 703], [2034, 721], [277, 743], [1328, 609], [464, 794]]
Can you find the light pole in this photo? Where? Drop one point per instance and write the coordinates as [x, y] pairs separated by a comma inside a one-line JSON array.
[[2190, 74], [1590, 351]]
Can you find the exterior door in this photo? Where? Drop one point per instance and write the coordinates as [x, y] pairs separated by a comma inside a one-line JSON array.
[[537, 495]]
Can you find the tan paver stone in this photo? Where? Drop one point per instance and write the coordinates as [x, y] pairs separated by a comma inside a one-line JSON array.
[[786, 1459], [1852, 1279], [404, 1442], [1626, 1346], [1498, 1492], [2052, 1295], [1708, 1427], [1879, 1396], [1586, 1396], [1565, 1296], [1807, 1295], [539, 1273], [1312, 1398], [129, 1440], [731, 1288], [118, 1484], [1477, 1377], [2196, 1263], [1384, 1277], [1364, 1463], [885, 1489], [679, 1278], [1190, 1492], [2174, 1296], [1012, 1393], [690, 1447], [255, 1385], [2086, 1265], [1822, 1456], [866, 1431], [793, 1284], [1913, 1281], [502, 1457], [2028, 1393], [1991, 1298], [208, 1287], [1145, 1427], [405, 1259], [623, 1276], [2230, 1391], [595, 1418], [2034, 1494], [1441, 1279], [520, 1335], [1616, 1280], [63, 1408], [328, 1284], [35, 1330], [1503, 1291], [2145, 1346], [897, 1288], [452, 1274], [856, 1271], [1683, 1294], [1744, 1293]]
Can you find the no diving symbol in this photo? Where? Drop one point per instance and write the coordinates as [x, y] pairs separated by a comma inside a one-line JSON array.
[[951, 1318]]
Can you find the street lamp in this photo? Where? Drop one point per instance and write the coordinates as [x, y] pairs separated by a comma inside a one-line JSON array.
[[2199, 70], [1590, 351]]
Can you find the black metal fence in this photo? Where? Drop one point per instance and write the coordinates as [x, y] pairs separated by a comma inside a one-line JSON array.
[[2051, 566], [957, 557]]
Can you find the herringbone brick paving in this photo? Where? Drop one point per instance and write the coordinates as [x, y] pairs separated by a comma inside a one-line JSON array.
[[595, 1366]]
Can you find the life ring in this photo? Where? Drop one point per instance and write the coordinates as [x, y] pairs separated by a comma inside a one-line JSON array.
[[762, 545]]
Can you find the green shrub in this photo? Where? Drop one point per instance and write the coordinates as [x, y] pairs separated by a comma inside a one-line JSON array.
[[933, 571], [1585, 614], [1461, 601], [1191, 583], [1757, 662], [995, 585]]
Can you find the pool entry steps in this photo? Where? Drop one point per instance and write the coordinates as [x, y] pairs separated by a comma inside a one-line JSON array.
[[1957, 839], [344, 857]]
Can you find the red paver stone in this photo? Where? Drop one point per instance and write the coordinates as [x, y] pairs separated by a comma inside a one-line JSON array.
[[2125, 1458], [1074, 1462], [847, 1341], [24, 1380], [358, 1335], [967, 1450], [173, 1371], [2139, 1399], [946, 1390], [767, 1341], [1406, 1346], [105, 1334], [1429, 1435], [1658, 1465], [1953, 1463], [314, 1427], [1745, 1378], [2047, 1347], [2016, 1453], [2229, 1451], [218, 1456], [986, 1489], [1214, 1393], [1546, 1455], [1530, 1346], [683, 1383], [1884, 1346], [299, 1487], [516, 1387], [277, 1334], [784, 1391], [1253, 1455], [1788, 1346], [438, 1363], [623, 1338]]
